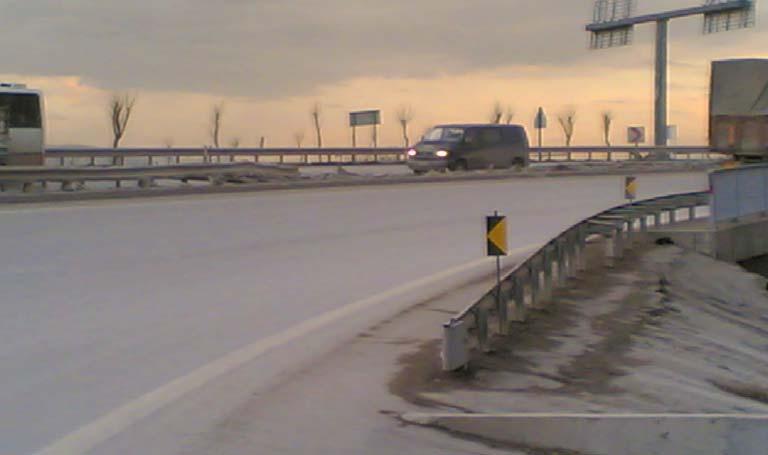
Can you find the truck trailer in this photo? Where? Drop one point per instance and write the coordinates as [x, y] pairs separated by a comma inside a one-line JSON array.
[[738, 106]]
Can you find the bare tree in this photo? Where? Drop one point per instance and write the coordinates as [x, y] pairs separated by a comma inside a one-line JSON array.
[[568, 123], [497, 113], [607, 117], [315, 113], [404, 117], [120, 110], [298, 136], [509, 115], [216, 114]]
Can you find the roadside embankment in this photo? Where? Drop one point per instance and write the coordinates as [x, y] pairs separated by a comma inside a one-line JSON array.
[[671, 337]]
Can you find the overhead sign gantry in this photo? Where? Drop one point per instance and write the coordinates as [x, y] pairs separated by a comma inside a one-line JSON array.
[[613, 24]]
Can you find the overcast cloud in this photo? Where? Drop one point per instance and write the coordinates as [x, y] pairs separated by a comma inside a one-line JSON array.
[[273, 48]]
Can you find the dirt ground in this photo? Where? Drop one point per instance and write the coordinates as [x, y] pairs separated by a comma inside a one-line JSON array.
[[664, 331]]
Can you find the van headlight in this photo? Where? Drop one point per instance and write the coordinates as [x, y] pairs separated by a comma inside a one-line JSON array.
[[442, 153], [412, 152]]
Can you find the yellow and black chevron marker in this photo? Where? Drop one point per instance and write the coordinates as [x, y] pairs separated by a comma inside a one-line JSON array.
[[630, 188], [496, 235]]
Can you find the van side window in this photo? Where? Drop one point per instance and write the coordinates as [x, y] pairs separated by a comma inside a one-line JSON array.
[[514, 135], [490, 136]]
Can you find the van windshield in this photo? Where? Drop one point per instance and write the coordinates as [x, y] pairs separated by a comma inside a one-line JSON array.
[[442, 134]]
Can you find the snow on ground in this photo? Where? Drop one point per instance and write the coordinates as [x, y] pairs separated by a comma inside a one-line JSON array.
[[667, 331], [103, 302]]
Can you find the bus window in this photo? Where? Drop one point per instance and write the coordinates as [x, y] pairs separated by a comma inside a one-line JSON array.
[[24, 109]]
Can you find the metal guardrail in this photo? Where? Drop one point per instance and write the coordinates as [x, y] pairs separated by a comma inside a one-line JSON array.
[[216, 174], [531, 283], [387, 155]]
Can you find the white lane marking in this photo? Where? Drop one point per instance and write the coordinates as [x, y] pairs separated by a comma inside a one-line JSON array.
[[91, 435], [427, 417]]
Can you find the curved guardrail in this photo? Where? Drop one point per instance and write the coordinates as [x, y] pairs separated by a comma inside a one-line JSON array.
[[216, 174], [531, 283]]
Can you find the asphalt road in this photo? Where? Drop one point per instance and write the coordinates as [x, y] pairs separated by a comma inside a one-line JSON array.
[[113, 311]]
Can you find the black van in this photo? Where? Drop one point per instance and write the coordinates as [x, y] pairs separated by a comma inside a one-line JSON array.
[[463, 147]]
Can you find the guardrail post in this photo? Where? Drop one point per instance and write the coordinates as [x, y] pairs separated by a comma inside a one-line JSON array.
[[502, 309], [535, 279], [481, 323], [631, 238], [518, 295], [150, 160], [546, 286], [145, 182], [215, 180], [692, 212], [455, 353], [657, 219], [614, 247], [562, 271], [26, 187]]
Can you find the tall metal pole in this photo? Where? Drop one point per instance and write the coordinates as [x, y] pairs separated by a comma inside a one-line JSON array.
[[660, 110]]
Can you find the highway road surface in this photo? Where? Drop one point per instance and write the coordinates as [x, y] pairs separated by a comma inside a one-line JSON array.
[[115, 314]]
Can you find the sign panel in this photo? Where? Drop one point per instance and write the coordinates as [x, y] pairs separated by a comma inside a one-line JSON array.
[[496, 235], [364, 118], [630, 188], [636, 135], [540, 122]]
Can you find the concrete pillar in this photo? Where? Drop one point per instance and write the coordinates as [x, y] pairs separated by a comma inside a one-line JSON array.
[[692, 212], [672, 216], [657, 219]]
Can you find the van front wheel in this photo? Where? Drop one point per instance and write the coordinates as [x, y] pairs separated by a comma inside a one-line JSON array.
[[458, 165]]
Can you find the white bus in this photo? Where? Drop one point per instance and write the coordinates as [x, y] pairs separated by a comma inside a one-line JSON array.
[[22, 126]]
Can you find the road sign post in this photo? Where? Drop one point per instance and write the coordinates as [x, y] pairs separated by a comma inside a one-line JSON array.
[[365, 118], [630, 188], [540, 123], [496, 244], [636, 136]]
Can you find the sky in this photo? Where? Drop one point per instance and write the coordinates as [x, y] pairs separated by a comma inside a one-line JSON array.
[[269, 61]]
